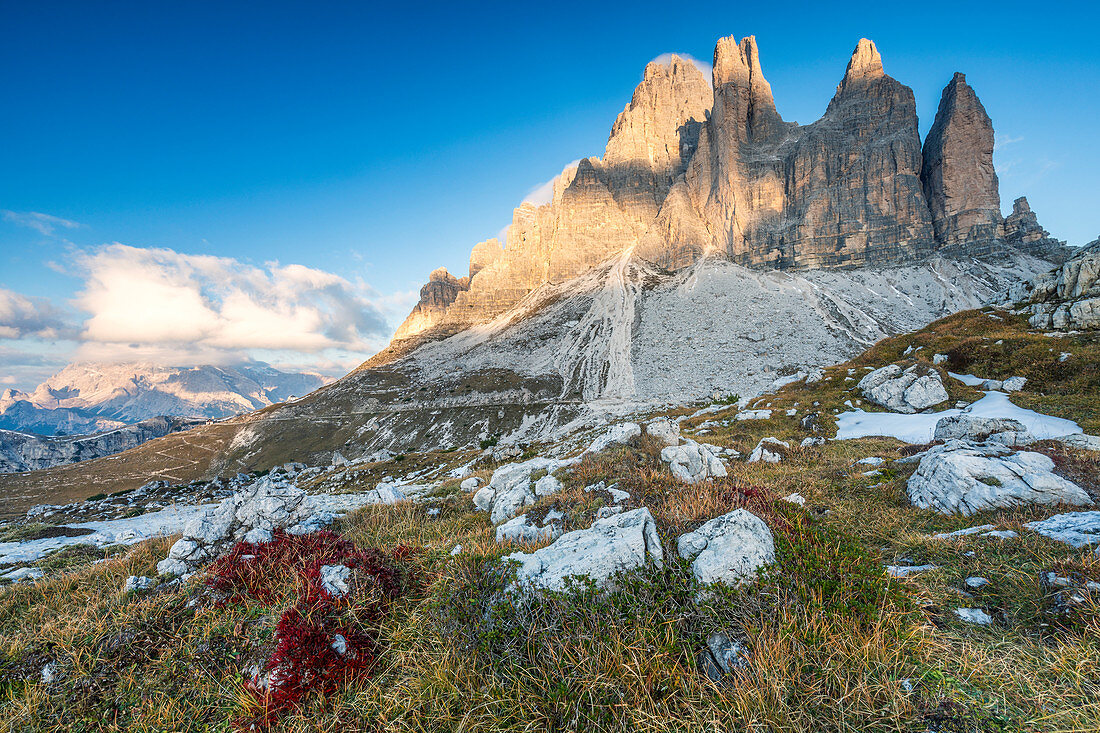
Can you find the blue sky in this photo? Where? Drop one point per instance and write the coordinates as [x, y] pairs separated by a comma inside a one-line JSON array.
[[372, 144]]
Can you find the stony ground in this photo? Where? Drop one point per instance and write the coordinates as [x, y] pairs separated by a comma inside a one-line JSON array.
[[832, 639]]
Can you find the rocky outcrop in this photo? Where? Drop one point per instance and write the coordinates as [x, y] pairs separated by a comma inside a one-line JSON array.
[[436, 296], [615, 544], [26, 452], [1022, 230], [250, 515], [964, 478], [1005, 431], [692, 462], [959, 181], [1077, 529], [728, 549], [1069, 297], [910, 390]]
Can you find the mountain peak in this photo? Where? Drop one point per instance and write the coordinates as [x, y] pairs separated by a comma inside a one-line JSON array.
[[864, 66]]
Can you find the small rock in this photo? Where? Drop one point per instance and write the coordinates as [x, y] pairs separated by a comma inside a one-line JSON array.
[[138, 583], [470, 484], [1076, 529], [664, 429], [812, 442], [547, 485], [976, 581], [796, 498], [340, 644], [909, 391], [721, 657], [622, 542], [871, 461], [728, 549], [974, 616], [769, 450], [456, 551], [692, 462], [334, 579], [904, 571]]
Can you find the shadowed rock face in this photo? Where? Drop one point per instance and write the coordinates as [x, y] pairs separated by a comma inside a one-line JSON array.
[[693, 169], [959, 181]]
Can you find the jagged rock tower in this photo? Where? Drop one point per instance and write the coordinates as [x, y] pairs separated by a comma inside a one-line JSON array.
[[696, 169]]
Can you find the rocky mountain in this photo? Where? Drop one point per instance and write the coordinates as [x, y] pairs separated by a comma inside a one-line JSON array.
[[714, 251], [88, 397], [27, 452], [693, 170]]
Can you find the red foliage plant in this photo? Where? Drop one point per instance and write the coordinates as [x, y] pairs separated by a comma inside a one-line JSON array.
[[322, 642]]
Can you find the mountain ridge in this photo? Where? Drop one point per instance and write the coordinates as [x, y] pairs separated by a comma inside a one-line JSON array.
[[89, 397]]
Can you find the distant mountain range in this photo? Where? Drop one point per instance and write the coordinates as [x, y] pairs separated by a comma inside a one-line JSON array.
[[91, 397]]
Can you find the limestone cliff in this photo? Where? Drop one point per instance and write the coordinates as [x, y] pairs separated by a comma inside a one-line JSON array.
[[959, 181], [693, 169]]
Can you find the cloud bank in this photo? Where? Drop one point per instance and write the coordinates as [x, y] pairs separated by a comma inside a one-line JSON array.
[[157, 298]]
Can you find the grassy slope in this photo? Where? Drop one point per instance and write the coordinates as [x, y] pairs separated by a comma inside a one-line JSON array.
[[835, 644]]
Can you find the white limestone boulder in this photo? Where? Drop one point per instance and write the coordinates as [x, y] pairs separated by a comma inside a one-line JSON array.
[[1005, 431], [615, 434], [911, 390], [769, 450], [664, 429], [728, 549], [972, 477], [251, 514], [511, 487], [618, 543], [692, 462], [521, 530], [1076, 529]]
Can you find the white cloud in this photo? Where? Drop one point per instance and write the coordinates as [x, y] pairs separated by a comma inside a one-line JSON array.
[[1003, 142], [42, 223], [161, 305], [543, 193], [23, 316], [704, 66]]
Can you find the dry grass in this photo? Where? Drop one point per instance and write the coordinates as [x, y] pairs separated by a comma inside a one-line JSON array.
[[834, 644]]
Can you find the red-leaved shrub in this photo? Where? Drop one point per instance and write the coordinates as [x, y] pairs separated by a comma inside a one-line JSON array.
[[322, 642]]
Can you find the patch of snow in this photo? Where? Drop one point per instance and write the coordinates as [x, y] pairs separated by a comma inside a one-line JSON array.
[[921, 427]]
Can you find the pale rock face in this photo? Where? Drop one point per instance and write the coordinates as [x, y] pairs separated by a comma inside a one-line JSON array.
[[521, 530], [1069, 297], [692, 462], [958, 176], [965, 478], [909, 391], [1022, 230], [664, 429], [980, 429], [615, 544], [267, 504], [728, 549], [692, 169], [1077, 529], [436, 296], [769, 450]]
